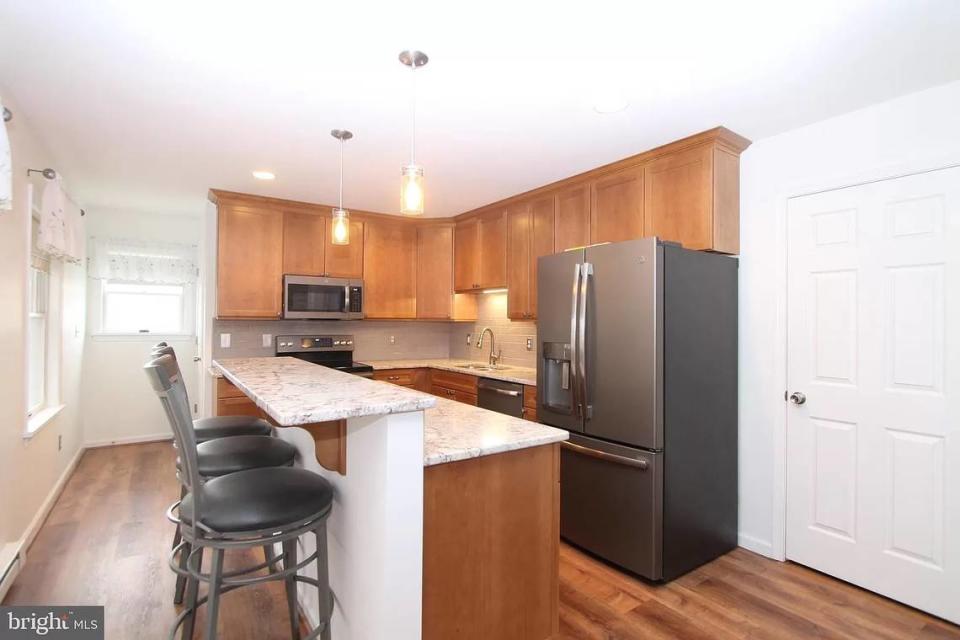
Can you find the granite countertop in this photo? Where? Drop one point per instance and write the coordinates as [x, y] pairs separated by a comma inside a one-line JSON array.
[[295, 392], [457, 431], [520, 375]]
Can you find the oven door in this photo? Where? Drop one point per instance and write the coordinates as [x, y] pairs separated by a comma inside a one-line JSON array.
[[316, 298]]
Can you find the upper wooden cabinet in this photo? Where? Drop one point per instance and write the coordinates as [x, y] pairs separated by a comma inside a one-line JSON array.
[[480, 252], [249, 261], [616, 206], [693, 197], [572, 217], [308, 249], [435, 297], [530, 232], [390, 270]]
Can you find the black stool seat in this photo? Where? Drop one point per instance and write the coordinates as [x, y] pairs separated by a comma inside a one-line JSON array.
[[260, 499], [221, 456], [222, 426]]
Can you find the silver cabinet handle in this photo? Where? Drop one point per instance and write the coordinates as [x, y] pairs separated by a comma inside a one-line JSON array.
[[798, 398], [643, 465]]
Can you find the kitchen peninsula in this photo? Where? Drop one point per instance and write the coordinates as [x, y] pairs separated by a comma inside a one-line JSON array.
[[446, 516]]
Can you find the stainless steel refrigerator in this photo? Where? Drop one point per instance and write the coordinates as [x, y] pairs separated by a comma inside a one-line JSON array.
[[637, 358]]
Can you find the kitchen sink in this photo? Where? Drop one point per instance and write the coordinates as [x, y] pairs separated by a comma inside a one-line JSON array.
[[477, 366]]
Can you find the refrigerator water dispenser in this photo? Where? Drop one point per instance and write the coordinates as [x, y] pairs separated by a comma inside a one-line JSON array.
[[557, 392]]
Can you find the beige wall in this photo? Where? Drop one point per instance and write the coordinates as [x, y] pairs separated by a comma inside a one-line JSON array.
[[30, 468], [511, 335]]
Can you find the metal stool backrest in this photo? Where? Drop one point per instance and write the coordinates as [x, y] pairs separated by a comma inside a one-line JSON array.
[[164, 376]]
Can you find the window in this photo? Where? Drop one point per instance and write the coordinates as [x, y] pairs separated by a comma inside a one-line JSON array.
[[144, 308], [37, 337]]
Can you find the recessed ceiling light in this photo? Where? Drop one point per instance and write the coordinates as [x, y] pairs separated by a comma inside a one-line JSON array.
[[610, 102], [264, 175]]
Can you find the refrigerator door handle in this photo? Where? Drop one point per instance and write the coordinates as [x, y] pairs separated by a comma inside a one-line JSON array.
[[603, 455], [574, 349], [586, 270]]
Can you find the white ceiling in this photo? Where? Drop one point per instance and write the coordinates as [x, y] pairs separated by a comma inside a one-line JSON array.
[[148, 104]]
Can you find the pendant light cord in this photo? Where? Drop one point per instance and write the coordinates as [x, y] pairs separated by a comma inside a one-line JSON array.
[[341, 175], [413, 115]]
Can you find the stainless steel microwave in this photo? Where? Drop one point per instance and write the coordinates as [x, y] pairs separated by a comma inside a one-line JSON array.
[[318, 298]]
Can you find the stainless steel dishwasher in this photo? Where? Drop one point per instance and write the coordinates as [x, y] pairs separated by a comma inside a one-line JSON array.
[[504, 397]]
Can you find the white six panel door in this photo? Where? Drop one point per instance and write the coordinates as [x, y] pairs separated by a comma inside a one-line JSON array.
[[873, 455]]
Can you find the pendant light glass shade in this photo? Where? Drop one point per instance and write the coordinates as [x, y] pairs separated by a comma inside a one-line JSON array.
[[340, 227], [411, 190], [340, 222], [411, 181]]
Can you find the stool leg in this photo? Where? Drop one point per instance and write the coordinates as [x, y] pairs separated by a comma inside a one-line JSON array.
[[213, 596], [323, 578], [182, 580], [290, 560], [270, 557], [193, 585]]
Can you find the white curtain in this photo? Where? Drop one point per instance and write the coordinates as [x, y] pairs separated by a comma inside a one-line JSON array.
[[61, 225], [142, 261]]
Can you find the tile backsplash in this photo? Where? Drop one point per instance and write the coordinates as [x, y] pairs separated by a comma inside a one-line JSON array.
[[511, 335], [411, 339]]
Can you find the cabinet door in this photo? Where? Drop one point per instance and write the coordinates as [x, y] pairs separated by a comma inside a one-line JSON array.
[[435, 272], [303, 243], [519, 232], [466, 255], [249, 262], [616, 210], [390, 270], [573, 218], [344, 260], [542, 242], [493, 250], [679, 198]]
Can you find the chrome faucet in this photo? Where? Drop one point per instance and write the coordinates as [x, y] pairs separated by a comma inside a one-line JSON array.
[[494, 358]]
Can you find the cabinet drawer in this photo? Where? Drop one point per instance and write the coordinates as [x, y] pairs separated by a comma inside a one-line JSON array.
[[226, 389], [242, 406], [453, 380], [403, 377], [454, 394], [530, 397]]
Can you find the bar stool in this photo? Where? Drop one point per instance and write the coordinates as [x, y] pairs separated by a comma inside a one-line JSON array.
[[242, 510], [218, 456]]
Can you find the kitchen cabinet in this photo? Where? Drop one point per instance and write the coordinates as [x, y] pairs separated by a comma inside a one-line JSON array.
[[530, 403], [308, 248], [693, 197], [232, 402], [436, 299], [480, 252], [572, 217], [616, 206], [411, 378], [530, 234], [454, 386], [249, 261], [390, 270]]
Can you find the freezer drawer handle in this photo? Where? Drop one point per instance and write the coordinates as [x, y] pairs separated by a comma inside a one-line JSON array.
[[603, 455], [503, 392]]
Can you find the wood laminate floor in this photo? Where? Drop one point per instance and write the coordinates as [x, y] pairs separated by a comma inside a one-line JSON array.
[[106, 542]]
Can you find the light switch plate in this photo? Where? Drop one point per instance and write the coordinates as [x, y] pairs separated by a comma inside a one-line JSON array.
[[224, 340], [529, 344], [392, 340], [267, 340]]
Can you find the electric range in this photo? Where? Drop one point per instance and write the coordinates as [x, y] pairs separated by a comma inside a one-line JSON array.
[[335, 352]]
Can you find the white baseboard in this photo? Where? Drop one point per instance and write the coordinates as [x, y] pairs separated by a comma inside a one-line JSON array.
[[152, 437], [752, 543]]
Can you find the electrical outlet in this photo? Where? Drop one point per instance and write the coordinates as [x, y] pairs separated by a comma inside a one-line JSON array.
[[224, 340], [469, 339], [392, 339], [267, 340], [529, 344]]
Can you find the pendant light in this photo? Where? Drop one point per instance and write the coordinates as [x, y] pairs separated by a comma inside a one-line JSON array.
[[411, 182], [340, 227]]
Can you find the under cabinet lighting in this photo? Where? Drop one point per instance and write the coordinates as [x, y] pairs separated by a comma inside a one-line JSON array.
[[264, 175]]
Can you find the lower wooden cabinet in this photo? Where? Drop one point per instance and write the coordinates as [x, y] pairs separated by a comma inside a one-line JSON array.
[[418, 379], [454, 386], [530, 403], [454, 394], [232, 402]]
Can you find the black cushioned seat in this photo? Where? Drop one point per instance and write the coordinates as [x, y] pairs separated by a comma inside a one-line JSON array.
[[222, 426], [260, 499], [221, 456]]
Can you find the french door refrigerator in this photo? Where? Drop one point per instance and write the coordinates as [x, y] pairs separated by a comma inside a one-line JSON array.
[[637, 359]]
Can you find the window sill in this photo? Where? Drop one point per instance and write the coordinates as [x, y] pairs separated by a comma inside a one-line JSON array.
[[140, 337], [40, 419]]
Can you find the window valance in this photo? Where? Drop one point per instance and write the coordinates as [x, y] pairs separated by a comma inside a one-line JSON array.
[[141, 261]]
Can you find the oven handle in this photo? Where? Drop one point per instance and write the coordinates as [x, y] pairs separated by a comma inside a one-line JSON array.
[[603, 455]]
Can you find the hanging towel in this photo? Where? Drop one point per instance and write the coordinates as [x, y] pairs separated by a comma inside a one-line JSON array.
[[52, 236], [6, 167]]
